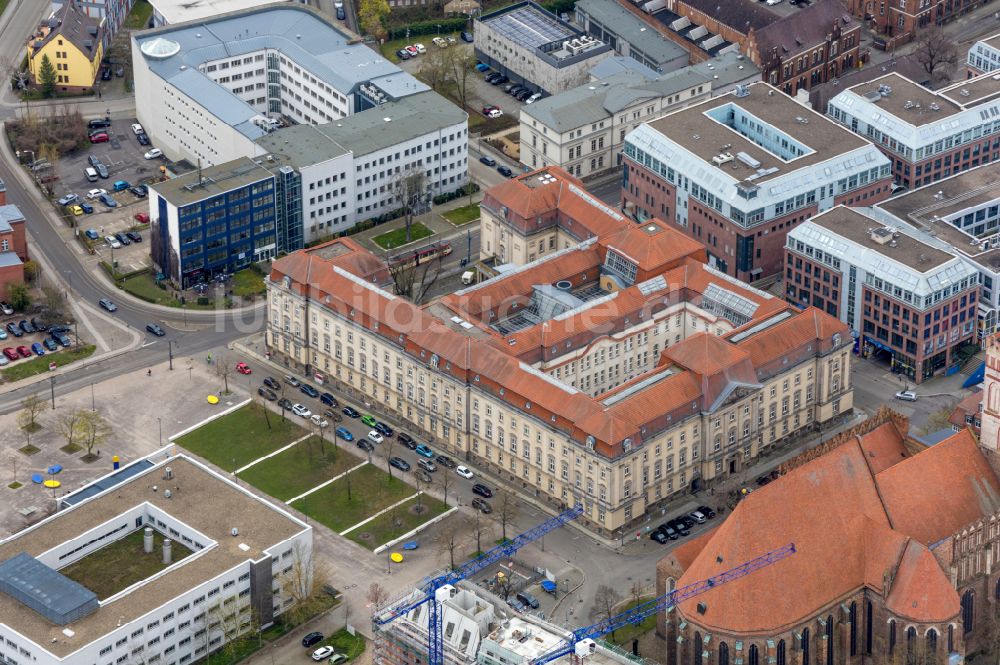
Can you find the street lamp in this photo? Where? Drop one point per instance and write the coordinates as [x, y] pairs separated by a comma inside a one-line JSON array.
[[159, 426]]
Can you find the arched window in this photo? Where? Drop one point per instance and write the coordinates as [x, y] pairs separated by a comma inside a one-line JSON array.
[[829, 639], [853, 617], [723, 653], [951, 638], [869, 624], [804, 645], [892, 636], [968, 605], [911, 638], [697, 648], [781, 652], [754, 655], [932, 642]]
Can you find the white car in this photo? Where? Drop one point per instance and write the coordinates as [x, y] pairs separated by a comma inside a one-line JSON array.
[[318, 421], [534, 98], [154, 153], [375, 437], [440, 42], [907, 395], [464, 471], [136, 128], [420, 48], [96, 193], [322, 653], [112, 242], [494, 113], [300, 410]]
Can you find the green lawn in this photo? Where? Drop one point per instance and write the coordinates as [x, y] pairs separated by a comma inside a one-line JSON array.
[[624, 636], [122, 563], [397, 237], [138, 18], [389, 48], [248, 282], [386, 527], [351, 646], [371, 491], [144, 286], [299, 468], [21, 369], [242, 435], [463, 215]]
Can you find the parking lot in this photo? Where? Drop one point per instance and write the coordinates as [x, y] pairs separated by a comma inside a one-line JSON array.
[[124, 159]]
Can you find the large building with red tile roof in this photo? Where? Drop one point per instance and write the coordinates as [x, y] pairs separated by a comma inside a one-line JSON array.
[[618, 370], [895, 556]]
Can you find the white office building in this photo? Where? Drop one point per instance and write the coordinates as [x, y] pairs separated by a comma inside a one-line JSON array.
[[207, 90], [983, 56], [221, 556]]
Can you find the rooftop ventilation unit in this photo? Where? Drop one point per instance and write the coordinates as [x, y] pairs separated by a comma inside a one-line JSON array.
[[963, 92], [742, 91], [723, 158], [933, 106], [882, 235], [908, 104], [748, 160]]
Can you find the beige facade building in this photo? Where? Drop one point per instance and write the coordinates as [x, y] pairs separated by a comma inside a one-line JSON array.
[[618, 372]]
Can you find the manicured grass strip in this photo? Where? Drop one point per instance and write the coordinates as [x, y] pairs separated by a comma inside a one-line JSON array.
[[240, 437], [393, 524], [304, 465], [144, 286], [463, 215], [371, 491], [351, 646], [624, 636], [397, 237], [22, 369], [248, 282], [138, 18]]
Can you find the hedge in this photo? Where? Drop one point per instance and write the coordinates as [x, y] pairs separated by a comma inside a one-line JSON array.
[[433, 27]]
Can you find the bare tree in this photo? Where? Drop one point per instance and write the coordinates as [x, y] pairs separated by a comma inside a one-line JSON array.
[[68, 426], [388, 443], [409, 188], [24, 424], [376, 595], [300, 583], [635, 592], [462, 65], [506, 510], [935, 49], [94, 429], [223, 370], [32, 406], [449, 540], [445, 480], [411, 280], [436, 69], [480, 528], [53, 300], [605, 601], [13, 468]]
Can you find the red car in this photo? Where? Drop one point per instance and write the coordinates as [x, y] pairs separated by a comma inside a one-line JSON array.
[[25, 351], [242, 368], [11, 353], [142, 217], [99, 138]]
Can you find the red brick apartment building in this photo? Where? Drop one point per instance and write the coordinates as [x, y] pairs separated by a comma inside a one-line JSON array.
[[899, 20]]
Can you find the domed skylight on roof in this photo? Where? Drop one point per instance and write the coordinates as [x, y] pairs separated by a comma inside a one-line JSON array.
[[160, 48]]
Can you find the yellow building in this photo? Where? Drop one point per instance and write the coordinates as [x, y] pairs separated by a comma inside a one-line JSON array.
[[72, 42]]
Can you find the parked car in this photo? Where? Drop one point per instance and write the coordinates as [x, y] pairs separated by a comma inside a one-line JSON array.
[[341, 16], [141, 217], [407, 440], [69, 199], [26, 326], [465, 472], [38, 349], [243, 368], [112, 242], [482, 490], [24, 351], [14, 330], [345, 434], [482, 67], [123, 239], [375, 437], [3, 334], [706, 511], [328, 399], [267, 394], [659, 537], [697, 516], [467, 37], [134, 236], [906, 396], [351, 413], [6, 308], [107, 304], [482, 505], [412, 50], [424, 451], [86, 207], [383, 429], [142, 139], [421, 475], [440, 43], [534, 98], [62, 339], [309, 390], [301, 411], [669, 531], [76, 210], [155, 329], [420, 48], [96, 193], [403, 54], [137, 128], [318, 421], [99, 123], [679, 527], [426, 465], [366, 446], [369, 420], [505, 171], [493, 113], [10, 354], [322, 653], [285, 404], [489, 161], [446, 461], [271, 383], [311, 639], [292, 381], [107, 200], [155, 153], [102, 171], [50, 344], [139, 190], [99, 137], [399, 463], [39, 324]]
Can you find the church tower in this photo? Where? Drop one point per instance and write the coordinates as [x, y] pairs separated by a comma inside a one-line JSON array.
[[990, 436]]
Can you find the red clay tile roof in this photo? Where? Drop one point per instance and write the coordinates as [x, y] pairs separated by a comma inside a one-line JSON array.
[[883, 447], [707, 354], [921, 591], [967, 407], [686, 552], [781, 339], [950, 481], [654, 246]]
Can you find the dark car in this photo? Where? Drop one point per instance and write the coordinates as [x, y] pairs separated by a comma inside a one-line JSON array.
[[482, 490], [272, 383], [39, 324], [489, 161], [155, 329], [267, 394], [311, 639], [763, 480], [26, 326], [138, 191], [383, 429], [482, 506], [93, 160], [706, 511], [679, 527], [366, 445], [659, 537], [106, 74], [309, 390], [523, 95], [14, 330], [58, 330], [102, 171], [467, 37], [407, 440], [341, 14], [99, 123], [403, 54], [350, 413], [668, 531], [134, 236], [505, 171], [142, 138], [87, 208], [285, 403], [62, 339], [328, 399], [123, 239], [50, 344], [446, 461], [688, 521], [399, 463]]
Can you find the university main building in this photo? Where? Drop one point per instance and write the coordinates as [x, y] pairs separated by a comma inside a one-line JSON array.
[[615, 368]]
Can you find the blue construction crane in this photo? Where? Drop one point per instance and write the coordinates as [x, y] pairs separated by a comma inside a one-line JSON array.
[[581, 640], [437, 589]]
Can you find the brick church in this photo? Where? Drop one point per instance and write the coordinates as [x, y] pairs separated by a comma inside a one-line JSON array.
[[897, 554]]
